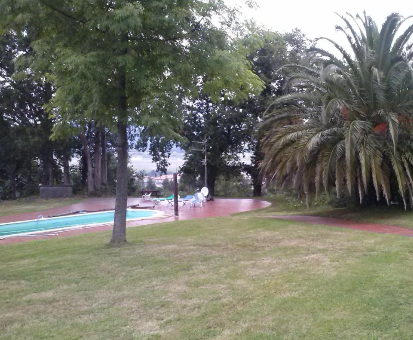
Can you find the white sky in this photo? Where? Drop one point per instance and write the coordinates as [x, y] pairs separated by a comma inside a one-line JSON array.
[[315, 18], [143, 160]]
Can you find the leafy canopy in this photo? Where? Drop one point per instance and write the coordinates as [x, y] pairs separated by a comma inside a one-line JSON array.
[[163, 47]]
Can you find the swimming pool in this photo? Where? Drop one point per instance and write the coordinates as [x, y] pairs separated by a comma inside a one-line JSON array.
[[72, 221]]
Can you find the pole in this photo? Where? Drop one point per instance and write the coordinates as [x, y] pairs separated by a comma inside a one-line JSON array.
[[205, 160], [176, 209]]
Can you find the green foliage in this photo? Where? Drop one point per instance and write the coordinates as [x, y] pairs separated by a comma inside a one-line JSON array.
[[347, 122], [76, 177], [27, 155], [151, 185], [230, 127], [167, 186], [188, 183], [159, 46], [233, 186], [133, 184], [120, 63], [139, 177], [227, 129]]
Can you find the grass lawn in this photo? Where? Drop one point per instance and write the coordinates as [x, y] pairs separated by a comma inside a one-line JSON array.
[[240, 277], [286, 205], [393, 215], [30, 204]]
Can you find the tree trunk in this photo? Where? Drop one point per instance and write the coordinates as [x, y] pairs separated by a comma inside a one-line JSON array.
[[86, 154], [212, 175], [119, 223], [97, 161], [211, 186], [257, 189], [49, 169], [66, 170], [84, 170], [104, 167], [48, 125], [47, 173], [12, 177], [256, 172], [44, 172]]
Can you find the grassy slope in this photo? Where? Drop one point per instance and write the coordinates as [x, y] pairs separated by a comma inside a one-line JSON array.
[[30, 204], [393, 215], [286, 205], [240, 277]]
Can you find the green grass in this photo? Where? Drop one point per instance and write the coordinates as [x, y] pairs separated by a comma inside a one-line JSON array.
[[393, 215], [390, 215], [240, 277], [287, 205], [31, 204]]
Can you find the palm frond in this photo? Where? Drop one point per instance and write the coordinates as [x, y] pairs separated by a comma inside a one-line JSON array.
[[347, 122]]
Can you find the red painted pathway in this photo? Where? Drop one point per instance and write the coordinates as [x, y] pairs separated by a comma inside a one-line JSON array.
[[218, 207], [336, 222]]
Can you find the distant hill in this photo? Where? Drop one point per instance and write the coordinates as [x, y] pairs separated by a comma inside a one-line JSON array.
[[143, 161], [153, 173]]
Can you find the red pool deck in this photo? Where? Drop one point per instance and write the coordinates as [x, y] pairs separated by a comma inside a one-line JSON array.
[[341, 223], [218, 207]]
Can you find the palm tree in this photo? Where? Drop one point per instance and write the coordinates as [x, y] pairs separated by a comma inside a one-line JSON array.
[[348, 120]]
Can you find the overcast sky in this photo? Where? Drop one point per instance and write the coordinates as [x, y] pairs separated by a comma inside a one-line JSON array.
[[315, 18], [143, 161]]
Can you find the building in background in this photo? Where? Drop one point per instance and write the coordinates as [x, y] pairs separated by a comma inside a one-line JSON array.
[[159, 180]]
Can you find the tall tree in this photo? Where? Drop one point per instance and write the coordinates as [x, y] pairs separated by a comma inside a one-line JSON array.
[[104, 158], [97, 160], [349, 120], [122, 62], [87, 157], [231, 127], [226, 130], [22, 97], [269, 51]]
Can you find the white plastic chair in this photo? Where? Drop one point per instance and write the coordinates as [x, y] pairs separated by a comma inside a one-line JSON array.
[[198, 199], [147, 197]]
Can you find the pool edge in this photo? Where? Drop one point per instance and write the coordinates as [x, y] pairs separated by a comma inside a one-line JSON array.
[[157, 215]]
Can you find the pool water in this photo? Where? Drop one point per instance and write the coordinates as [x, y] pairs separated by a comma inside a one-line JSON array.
[[27, 227]]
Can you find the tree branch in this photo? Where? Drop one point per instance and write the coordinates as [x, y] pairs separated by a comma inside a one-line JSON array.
[[67, 15]]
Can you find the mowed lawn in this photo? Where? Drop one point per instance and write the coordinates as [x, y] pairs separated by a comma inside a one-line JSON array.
[[391, 215], [241, 277], [33, 203]]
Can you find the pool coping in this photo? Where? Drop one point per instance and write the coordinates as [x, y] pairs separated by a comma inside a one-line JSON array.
[[157, 215]]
